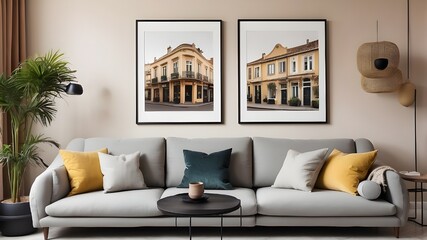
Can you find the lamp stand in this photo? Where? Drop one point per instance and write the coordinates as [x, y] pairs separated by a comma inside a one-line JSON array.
[[415, 131]]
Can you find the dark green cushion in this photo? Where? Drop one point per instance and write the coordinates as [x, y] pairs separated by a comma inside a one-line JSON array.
[[211, 169]]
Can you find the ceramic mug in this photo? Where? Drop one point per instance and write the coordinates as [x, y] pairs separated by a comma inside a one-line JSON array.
[[196, 190]]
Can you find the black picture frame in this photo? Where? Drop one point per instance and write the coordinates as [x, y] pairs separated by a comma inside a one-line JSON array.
[[178, 71]]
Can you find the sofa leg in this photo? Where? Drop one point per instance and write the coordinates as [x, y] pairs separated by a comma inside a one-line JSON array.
[[397, 232], [46, 233]]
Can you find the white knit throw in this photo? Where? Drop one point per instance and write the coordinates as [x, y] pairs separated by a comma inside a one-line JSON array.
[[378, 175]]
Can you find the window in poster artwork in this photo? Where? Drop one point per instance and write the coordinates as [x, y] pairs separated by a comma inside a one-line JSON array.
[[308, 63], [295, 90], [294, 65], [257, 72], [282, 67], [271, 69]]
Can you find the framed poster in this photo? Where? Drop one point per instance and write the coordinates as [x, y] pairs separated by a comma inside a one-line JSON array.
[[178, 72], [282, 71]]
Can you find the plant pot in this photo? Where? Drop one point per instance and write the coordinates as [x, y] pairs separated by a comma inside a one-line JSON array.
[[15, 219]]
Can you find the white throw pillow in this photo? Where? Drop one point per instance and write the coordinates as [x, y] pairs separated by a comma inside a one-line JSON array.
[[300, 170], [121, 172]]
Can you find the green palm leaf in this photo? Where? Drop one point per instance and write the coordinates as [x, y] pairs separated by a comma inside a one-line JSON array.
[[28, 97]]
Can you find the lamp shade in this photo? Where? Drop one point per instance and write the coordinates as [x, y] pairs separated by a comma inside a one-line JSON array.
[[382, 84], [74, 89], [378, 59], [407, 94], [378, 63]]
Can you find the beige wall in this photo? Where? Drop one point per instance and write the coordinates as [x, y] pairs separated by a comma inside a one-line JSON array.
[[98, 38]]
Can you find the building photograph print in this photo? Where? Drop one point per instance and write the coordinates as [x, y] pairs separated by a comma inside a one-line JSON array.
[[178, 71], [282, 71]]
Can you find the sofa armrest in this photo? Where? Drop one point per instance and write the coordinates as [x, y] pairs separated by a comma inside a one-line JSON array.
[[40, 196], [397, 194], [49, 187]]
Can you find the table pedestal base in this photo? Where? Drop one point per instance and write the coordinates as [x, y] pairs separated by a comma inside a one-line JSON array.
[[190, 232], [417, 190]]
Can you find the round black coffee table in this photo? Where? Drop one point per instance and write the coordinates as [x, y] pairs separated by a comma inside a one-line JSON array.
[[214, 205]]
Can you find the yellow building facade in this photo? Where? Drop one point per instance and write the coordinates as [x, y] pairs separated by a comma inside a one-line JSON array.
[[183, 75], [285, 76]]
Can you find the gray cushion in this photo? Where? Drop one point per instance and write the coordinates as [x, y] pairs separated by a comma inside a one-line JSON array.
[[270, 152], [152, 160], [61, 184], [240, 170], [246, 196], [380, 221], [121, 172], [318, 203], [300, 170], [369, 190], [133, 203]]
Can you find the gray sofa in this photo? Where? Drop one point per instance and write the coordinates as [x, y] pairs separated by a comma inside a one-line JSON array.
[[254, 165]]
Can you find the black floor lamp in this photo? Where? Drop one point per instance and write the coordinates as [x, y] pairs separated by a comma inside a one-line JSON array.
[[74, 89]]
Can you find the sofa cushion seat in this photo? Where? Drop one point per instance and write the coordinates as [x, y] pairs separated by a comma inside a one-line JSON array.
[[246, 196], [135, 203], [319, 203]]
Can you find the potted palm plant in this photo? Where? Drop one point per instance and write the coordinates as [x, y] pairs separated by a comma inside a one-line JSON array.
[[28, 98]]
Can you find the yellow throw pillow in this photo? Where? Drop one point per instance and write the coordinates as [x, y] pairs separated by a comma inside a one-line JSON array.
[[83, 170], [343, 172]]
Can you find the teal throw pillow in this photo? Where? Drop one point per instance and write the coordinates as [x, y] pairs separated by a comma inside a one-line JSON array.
[[211, 169]]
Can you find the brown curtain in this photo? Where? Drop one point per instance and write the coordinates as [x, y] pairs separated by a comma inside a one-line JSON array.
[[12, 52]]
